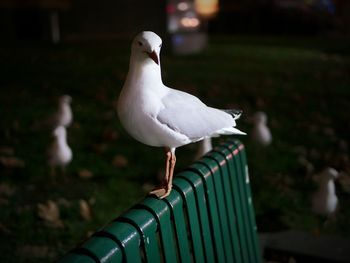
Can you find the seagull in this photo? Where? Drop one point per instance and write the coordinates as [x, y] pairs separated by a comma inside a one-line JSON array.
[[62, 117], [159, 116], [59, 153], [261, 133], [325, 200]]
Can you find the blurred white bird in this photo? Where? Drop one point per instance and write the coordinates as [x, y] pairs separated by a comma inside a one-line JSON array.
[[325, 200], [159, 116], [204, 146], [62, 117], [59, 153], [261, 133]]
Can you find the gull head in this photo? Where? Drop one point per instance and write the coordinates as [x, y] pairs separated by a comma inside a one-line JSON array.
[[146, 47], [59, 132], [65, 99], [260, 117]]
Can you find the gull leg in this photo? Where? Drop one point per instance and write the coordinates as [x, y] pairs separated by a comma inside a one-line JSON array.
[[162, 190]]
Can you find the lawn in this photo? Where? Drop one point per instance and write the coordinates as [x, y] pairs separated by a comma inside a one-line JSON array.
[[303, 84]]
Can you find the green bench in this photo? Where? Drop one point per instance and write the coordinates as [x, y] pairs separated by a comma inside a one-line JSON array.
[[208, 217]]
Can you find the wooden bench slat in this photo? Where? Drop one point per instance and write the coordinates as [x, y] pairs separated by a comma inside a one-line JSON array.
[[147, 226], [176, 203], [128, 238], [222, 208], [187, 192], [201, 199], [243, 167], [208, 217], [214, 219], [162, 213], [233, 215]]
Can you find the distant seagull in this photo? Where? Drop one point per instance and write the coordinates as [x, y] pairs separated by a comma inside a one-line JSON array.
[[59, 153], [63, 116], [325, 200], [204, 146], [159, 116], [261, 133]]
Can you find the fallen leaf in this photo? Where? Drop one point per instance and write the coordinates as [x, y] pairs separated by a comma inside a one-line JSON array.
[[120, 161], [85, 211], [6, 150], [6, 189], [85, 173], [11, 162], [50, 213], [110, 135], [100, 148], [36, 251]]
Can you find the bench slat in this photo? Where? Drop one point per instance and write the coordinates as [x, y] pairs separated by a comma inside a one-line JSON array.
[[175, 202], [186, 190], [208, 217], [215, 226], [162, 213], [201, 199]]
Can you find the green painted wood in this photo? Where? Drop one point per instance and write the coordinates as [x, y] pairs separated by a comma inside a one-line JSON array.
[[187, 192], [241, 179], [253, 227], [208, 217], [147, 226], [216, 230], [236, 193], [238, 244], [105, 249], [76, 258], [222, 207], [128, 238], [176, 204], [161, 212], [197, 184]]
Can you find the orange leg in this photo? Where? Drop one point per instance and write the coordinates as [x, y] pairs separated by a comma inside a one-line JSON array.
[[165, 188]]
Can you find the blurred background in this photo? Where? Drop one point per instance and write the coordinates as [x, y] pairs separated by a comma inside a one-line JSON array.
[[286, 58]]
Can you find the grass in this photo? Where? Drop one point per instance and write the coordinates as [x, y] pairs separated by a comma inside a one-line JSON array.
[[302, 84]]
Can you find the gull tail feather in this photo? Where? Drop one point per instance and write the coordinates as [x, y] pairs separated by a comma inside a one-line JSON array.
[[229, 131], [235, 113]]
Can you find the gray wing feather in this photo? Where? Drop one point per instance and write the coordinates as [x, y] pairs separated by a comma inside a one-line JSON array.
[[187, 115]]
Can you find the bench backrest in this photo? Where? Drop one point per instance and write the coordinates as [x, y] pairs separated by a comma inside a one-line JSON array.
[[208, 217]]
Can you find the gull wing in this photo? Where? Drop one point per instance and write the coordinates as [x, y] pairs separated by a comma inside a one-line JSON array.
[[187, 115]]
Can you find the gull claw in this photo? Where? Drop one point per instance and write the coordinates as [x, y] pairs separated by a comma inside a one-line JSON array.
[[161, 192]]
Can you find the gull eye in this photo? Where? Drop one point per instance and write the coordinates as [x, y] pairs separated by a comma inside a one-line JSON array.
[[140, 43], [160, 45]]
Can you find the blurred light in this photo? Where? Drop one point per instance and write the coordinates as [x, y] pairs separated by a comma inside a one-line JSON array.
[[190, 22], [183, 6], [207, 8]]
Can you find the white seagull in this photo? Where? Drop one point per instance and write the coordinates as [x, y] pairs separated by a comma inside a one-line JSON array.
[[59, 153], [261, 133], [63, 116], [325, 200], [159, 116]]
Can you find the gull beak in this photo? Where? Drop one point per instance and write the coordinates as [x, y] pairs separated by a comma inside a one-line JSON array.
[[153, 56]]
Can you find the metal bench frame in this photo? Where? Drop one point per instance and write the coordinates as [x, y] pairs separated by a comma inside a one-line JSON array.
[[208, 217]]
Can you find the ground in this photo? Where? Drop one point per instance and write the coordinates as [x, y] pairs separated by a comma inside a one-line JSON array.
[[301, 83]]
